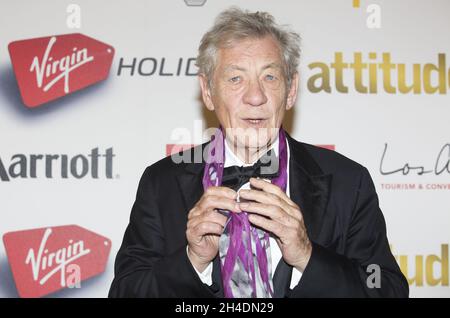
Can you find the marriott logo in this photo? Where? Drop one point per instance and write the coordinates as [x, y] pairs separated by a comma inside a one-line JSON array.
[[95, 164]]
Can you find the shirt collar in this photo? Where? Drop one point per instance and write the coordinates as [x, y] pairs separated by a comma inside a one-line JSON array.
[[232, 160]]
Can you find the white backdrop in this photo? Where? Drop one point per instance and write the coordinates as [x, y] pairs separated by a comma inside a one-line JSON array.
[[136, 115]]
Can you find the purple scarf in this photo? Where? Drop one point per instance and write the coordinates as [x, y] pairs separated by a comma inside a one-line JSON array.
[[243, 249]]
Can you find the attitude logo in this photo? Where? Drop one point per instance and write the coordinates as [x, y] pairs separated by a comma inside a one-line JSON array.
[[48, 68], [49, 259]]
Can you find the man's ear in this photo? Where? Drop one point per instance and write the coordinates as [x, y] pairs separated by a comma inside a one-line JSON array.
[[206, 91], [293, 91]]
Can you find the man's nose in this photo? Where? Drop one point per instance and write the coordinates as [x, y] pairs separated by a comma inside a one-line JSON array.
[[255, 95]]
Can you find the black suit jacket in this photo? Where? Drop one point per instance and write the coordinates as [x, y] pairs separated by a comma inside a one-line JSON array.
[[340, 210]]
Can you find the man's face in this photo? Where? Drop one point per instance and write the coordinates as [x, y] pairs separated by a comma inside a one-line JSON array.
[[249, 92]]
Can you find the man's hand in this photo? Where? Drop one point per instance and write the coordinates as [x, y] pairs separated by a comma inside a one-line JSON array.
[[275, 212], [205, 225]]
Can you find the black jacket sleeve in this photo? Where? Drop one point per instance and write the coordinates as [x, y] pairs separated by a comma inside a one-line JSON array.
[[329, 274], [143, 268]]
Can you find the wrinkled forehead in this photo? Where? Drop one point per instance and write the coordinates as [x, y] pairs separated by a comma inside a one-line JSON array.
[[242, 53]]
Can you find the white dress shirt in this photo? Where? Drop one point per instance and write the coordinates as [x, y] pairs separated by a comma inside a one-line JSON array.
[[232, 160]]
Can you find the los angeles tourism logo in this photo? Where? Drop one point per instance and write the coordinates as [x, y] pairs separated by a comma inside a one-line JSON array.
[[51, 67], [48, 259]]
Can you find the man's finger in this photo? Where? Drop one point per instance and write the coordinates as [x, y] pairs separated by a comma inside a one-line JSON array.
[[218, 202], [267, 198], [267, 187], [273, 212], [266, 224], [205, 228], [209, 216], [271, 188], [221, 192]]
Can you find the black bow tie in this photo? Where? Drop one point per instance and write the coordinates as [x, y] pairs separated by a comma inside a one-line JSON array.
[[266, 167]]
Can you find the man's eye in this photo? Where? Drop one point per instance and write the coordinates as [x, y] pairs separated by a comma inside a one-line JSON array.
[[270, 77], [235, 79]]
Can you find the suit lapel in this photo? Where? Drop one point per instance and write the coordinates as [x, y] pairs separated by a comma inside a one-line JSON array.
[[309, 189], [190, 184]]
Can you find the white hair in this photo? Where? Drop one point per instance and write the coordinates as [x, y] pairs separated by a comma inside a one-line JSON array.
[[235, 24]]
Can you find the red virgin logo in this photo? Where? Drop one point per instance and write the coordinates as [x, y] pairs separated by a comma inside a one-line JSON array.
[[48, 68], [45, 260]]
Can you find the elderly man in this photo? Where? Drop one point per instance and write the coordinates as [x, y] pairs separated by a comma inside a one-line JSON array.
[[261, 215]]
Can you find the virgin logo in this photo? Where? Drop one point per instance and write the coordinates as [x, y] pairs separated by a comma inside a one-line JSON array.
[[48, 259], [47, 67], [58, 259], [51, 67]]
